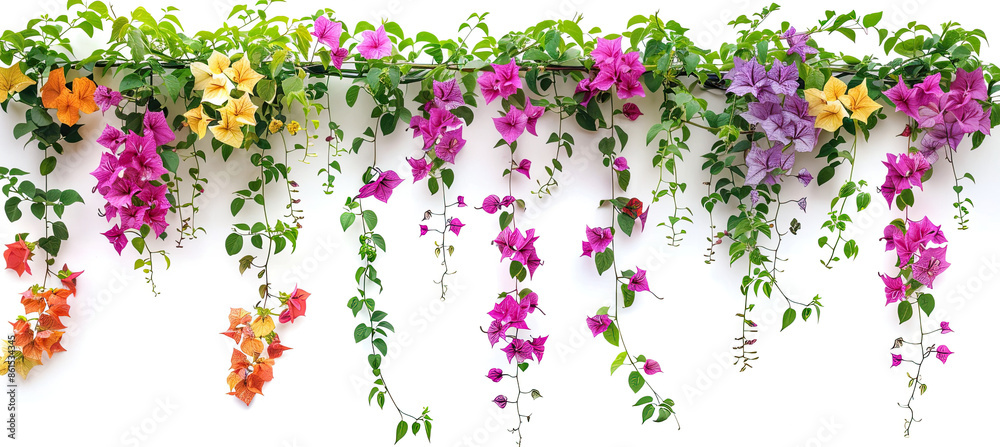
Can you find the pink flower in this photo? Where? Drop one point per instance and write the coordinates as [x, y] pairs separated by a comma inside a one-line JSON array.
[[599, 238], [538, 347], [375, 44], [896, 360], [504, 81], [419, 168], [107, 98], [631, 111], [930, 265], [598, 324], [337, 57], [511, 125], [533, 113], [500, 400], [455, 226], [111, 138], [327, 32], [943, 352], [461, 202], [651, 367], [450, 144], [155, 124], [296, 306], [117, 237], [945, 328], [588, 251], [382, 187], [17, 256], [638, 283], [621, 164], [495, 374], [423, 230], [524, 167], [895, 289]]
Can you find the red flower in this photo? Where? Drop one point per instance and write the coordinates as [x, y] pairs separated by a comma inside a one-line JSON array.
[[633, 208], [68, 279], [17, 256], [296, 306]]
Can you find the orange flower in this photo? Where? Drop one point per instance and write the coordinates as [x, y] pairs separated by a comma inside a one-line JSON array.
[[69, 103]]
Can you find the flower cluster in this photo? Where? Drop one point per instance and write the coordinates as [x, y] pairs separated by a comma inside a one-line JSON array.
[[440, 129], [69, 103], [45, 334], [613, 68], [830, 105], [129, 179], [216, 80], [250, 368], [905, 171], [947, 116], [327, 33]]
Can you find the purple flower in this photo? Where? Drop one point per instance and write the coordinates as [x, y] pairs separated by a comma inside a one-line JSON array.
[[533, 113], [140, 155], [107, 172], [970, 85], [651, 367], [585, 87], [754, 198], [501, 401], [121, 191], [945, 328], [529, 302], [450, 144], [107, 98], [461, 202], [621, 164], [524, 167], [117, 237], [629, 85], [507, 201], [588, 251], [638, 283], [423, 230], [802, 204], [496, 331], [491, 204], [797, 43], [111, 138], [503, 81], [419, 168], [907, 100], [598, 324], [518, 348], [155, 124], [447, 95], [784, 78], [495, 374], [762, 162], [943, 352], [749, 77], [337, 57], [895, 289], [375, 44], [511, 125], [455, 225], [924, 231], [930, 265], [327, 32], [890, 234], [631, 111], [896, 360], [599, 238], [509, 313], [607, 50], [538, 347], [132, 216], [805, 177], [382, 187]]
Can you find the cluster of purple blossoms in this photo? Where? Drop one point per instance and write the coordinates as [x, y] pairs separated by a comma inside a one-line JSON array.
[[948, 116], [440, 128], [504, 81], [797, 43], [613, 69], [912, 248], [327, 32], [519, 247], [128, 179], [904, 171]]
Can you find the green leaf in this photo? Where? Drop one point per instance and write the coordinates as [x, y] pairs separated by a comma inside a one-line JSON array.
[[236, 205], [50, 245], [234, 243], [619, 361], [352, 94], [267, 89], [427, 429], [623, 179], [347, 219], [10, 208], [872, 19], [604, 260], [904, 310], [611, 335], [635, 381], [69, 197], [647, 412], [447, 176], [825, 175], [926, 303], [47, 166], [170, 160], [643, 400], [371, 220], [788, 318], [361, 332], [401, 429], [131, 81], [59, 230], [626, 223]]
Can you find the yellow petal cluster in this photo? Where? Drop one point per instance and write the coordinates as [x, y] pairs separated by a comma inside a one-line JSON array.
[[830, 105]]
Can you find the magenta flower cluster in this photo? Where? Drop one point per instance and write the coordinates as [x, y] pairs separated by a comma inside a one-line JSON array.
[[441, 130], [948, 116], [128, 179], [613, 68], [327, 33]]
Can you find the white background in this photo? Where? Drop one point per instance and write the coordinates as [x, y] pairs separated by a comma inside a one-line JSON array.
[[151, 371]]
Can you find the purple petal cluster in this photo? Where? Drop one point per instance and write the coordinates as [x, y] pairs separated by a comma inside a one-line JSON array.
[[613, 68], [519, 247], [904, 171]]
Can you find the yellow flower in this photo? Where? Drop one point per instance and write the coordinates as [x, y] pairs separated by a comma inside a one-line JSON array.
[[241, 110], [197, 121], [858, 101], [294, 127], [204, 73], [228, 131], [825, 105], [217, 91], [244, 76], [12, 81], [275, 126]]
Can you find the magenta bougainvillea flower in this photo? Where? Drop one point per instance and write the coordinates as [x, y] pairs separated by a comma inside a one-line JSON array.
[[491, 204], [599, 238], [631, 111], [903, 172], [930, 264], [890, 234], [896, 360], [382, 187], [529, 302], [598, 324], [797, 43], [447, 94], [519, 349], [511, 125], [945, 327], [762, 163], [924, 231], [588, 251], [296, 306], [943, 352], [614, 69], [620, 164], [804, 176], [538, 347], [327, 32], [638, 283], [895, 289], [449, 145], [460, 201], [504, 81], [524, 167], [501, 401], [337, 57], [455, 225], [509, 313], [495, 374], [532, 113], [375, 44], [419, 168], [111, 138], [651, 367], [106, 98], [154, 124], [423, 230], [117, 238]]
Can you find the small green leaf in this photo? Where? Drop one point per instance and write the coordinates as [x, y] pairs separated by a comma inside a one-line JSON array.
[[788, 318], [635, 381], [347, 219], [371, 220], [234, 243], [618, 362], [401, 430], [926, 303], [604, 260], [47, 166], [904, 310]]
